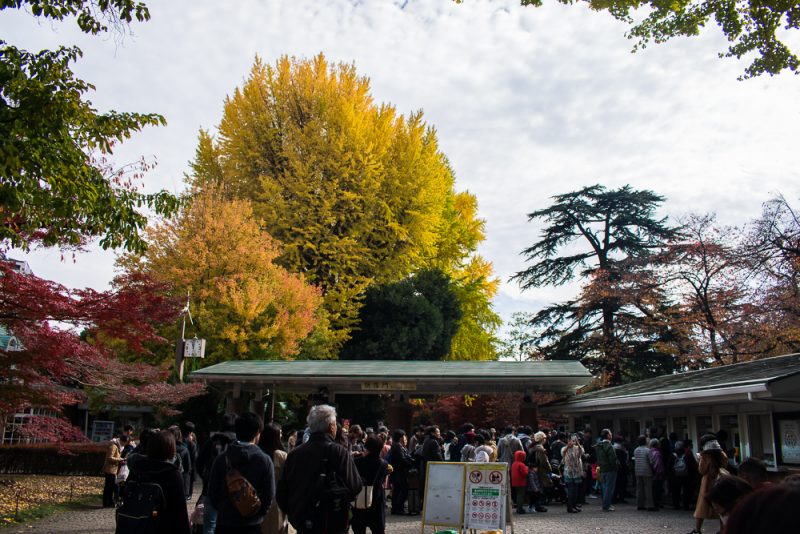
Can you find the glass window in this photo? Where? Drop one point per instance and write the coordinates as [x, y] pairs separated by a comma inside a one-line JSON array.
[[630, 428], [703, 425], [760, 431], [730, 424], [680, 425]]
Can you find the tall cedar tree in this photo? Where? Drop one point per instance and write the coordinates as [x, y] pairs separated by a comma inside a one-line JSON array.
[[613, 326], [355, 193], [415, 319], [56, 367], [56, 186], [244, 303], [756, 29]]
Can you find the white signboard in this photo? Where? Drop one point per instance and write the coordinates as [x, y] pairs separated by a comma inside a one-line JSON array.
[[102, 430], [486, 496], [194, 348], [444, 494], [790, 440]]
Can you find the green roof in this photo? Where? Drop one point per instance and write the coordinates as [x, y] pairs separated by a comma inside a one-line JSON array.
[[420, 376], [754, 373]]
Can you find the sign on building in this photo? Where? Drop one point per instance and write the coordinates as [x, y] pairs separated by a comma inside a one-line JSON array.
[[194, 348]]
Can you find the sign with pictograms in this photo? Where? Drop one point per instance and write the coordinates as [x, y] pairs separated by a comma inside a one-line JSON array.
[[486, 496]]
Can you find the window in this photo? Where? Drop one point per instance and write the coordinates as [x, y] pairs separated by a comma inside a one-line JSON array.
[[730, 424], [680, 425], [703, 425], [760, 432], [12, 433]]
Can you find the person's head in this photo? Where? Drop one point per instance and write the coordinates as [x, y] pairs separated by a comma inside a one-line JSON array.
[[539, 438], [771, 509], [433, 431], [419, 431], [753, 471], [605, 434], [145, 435], [619, 439], [270, 440], [127, 430], [792, 480], [355, 433], [575, 439], [725, 493], [373, 445], [399, 437], [161, 446], [188, 428], [228, 423], [322, 418], [641, 441], [176, 431], [449, 435], [654, 443], [124, 439], [248, 427], [479, 440]]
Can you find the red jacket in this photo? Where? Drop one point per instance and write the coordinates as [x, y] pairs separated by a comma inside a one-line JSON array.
[[519, 471]]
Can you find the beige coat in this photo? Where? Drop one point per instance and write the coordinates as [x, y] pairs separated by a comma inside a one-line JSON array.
[[113, 459], [710, 474], [275, 520]]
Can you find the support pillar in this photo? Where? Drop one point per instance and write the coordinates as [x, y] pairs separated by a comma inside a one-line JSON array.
[[529, 413], [400, 415]]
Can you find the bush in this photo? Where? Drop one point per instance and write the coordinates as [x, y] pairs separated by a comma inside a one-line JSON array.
[[52, 458]]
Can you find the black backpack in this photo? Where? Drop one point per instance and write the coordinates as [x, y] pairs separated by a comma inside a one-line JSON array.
[[142, 505], [330, 511]]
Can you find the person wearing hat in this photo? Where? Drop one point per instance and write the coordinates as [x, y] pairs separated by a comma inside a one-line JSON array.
[[712, 466], [539, 461]]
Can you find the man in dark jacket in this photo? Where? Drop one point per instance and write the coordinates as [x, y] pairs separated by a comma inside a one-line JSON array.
[[305, 475], [248, 459], [431, 452], [607, 464]]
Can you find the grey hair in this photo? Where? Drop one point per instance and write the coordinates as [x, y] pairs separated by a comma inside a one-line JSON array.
[[654, 442], [320, 418]]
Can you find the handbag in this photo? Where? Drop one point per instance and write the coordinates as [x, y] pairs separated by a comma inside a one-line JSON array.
[[122, 474], [364, 497]]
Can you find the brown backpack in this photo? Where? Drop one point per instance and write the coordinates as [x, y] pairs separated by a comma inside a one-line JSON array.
[[241, 492]]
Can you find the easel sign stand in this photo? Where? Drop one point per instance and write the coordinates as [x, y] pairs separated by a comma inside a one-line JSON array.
[[467, 496], [443, 496]]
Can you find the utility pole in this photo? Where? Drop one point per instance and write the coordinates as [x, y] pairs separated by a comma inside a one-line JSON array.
[[180, 341]]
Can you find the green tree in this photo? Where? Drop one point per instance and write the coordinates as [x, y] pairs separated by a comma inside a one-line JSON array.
[[356, 193], [246, 305], [55, 185], [608, 238], [414, 319], [754, 28]]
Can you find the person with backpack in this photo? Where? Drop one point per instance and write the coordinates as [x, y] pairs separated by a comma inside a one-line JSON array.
[[153, 500], [242, 482], [213, 447], [319, 479]]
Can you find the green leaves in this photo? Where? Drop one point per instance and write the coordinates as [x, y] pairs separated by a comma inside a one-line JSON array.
[[57, 187]]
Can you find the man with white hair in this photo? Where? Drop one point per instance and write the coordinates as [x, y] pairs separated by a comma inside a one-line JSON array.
[[319, 479]]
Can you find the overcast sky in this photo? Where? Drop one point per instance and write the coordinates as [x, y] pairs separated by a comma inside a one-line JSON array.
[[528, 103]]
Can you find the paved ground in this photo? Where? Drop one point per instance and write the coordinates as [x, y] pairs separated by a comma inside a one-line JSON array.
[[626, 519]]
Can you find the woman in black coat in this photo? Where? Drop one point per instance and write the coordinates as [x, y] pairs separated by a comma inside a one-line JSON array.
[[157, 467], [373, 472], [401, 462]]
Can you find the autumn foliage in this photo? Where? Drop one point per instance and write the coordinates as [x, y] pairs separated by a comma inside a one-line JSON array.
[[64, 356]]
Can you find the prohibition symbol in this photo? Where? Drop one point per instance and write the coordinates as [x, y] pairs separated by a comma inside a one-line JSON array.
[[475, 477], [495, 477]]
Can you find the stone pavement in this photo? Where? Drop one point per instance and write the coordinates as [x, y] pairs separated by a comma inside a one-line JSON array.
[[626, 519]]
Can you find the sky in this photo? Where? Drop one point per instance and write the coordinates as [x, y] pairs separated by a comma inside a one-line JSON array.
[[527, 103]]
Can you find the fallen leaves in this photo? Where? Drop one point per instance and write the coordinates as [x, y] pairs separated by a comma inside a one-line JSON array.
[[21, 493]]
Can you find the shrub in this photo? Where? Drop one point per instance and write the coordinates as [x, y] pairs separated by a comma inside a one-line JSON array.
[[53, 458]]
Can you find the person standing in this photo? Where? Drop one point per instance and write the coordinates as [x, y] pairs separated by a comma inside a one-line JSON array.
[[110, 468], [256, 467], [608, 465], [372, 470], [270, 442], [643, 470], [712, 465], [401, 463], [572, 454], [318, 458]]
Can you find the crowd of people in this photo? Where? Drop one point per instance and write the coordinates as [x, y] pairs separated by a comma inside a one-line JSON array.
[[331, 477]]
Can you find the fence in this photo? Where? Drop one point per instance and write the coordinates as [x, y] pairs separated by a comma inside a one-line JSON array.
[[49, 458]]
